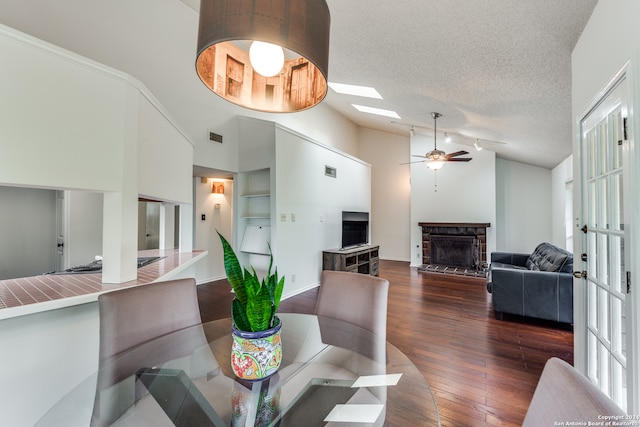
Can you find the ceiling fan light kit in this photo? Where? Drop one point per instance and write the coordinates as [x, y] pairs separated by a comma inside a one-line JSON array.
[[435, 164], [296, 32], [435, 158]]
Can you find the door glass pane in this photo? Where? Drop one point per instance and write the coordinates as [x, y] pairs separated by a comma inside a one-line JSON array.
[[593, 357], [615, 263], [603, 205], [593, 306], [617, 335], [592, 217], [602, 148], [592, 267], [603, 380], [603, 264], [616, 202], [603, 315], [616, 139], [619, 392], [590, 142]]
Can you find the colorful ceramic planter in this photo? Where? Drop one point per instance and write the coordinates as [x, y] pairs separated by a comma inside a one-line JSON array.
[[256, 355]]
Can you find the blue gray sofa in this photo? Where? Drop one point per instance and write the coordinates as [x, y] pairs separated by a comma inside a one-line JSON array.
[[538, 285]]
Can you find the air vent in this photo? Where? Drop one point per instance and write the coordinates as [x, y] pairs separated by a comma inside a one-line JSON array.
[[215, 137], [330, 171]]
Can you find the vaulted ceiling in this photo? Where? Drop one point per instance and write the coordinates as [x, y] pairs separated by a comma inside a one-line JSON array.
[[497, 70]]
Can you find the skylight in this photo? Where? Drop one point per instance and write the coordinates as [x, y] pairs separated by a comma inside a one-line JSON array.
[[367, 92], [378, 111]]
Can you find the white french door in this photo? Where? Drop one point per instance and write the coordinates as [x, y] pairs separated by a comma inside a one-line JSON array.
[[603, 289]]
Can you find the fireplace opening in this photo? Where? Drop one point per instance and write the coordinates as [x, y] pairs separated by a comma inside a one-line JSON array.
[[455, 251], [454, 248]]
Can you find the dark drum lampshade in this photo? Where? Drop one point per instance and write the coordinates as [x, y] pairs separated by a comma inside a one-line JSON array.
[[226, 35]]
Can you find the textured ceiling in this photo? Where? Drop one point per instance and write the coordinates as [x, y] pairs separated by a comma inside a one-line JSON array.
[[497, 70]]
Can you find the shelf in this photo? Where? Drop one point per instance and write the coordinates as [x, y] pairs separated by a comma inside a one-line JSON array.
[[256, 195], [363, 260]]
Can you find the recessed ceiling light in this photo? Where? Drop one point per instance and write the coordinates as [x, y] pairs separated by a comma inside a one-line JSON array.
[[365, 91], [378, 111]]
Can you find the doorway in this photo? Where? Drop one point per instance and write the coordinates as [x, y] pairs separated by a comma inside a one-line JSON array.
[[602, 315], [148, 225]]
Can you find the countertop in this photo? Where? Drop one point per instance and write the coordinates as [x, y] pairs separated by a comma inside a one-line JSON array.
[[28, 295]]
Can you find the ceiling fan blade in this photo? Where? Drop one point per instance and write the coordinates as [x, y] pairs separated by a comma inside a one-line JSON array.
[[422, 157], [408, 163], [459, 159], [457, 153]]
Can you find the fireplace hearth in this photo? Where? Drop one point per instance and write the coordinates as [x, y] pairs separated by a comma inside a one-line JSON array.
[[454, 248]]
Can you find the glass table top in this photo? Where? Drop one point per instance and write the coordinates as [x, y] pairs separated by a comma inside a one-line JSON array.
[[332, 374]]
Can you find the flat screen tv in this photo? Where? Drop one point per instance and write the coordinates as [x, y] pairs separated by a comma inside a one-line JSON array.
[[355, 229]]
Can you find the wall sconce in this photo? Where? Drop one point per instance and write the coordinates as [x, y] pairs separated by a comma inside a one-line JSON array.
[[217, 187], [231, 36]]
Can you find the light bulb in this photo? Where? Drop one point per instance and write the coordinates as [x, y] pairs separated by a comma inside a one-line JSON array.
[[435, 165], [266, 58]]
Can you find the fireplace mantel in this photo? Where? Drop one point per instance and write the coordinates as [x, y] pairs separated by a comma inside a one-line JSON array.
[[455, 224]]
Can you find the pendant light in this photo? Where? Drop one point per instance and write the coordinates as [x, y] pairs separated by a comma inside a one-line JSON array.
[[237, 37]]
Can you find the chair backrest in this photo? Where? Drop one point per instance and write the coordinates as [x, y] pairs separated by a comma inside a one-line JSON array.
[[134, 316], [564, 394], [359, 299]]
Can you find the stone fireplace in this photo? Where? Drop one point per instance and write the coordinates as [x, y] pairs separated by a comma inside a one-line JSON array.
[[455, 246]]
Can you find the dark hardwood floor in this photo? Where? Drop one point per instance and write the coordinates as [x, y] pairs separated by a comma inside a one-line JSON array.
[[482, 371]]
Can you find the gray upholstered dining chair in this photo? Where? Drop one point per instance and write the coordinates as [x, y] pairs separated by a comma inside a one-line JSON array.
[[131, 316], [564, 394], [134, 316], [359, 299]]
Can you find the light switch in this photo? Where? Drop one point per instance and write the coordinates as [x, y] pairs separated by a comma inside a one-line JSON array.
[[293, 217], [283, 217]]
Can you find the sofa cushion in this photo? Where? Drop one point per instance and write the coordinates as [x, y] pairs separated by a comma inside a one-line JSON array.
[[547, 257]]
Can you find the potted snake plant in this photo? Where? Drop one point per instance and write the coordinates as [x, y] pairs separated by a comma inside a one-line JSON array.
[[256, 351]]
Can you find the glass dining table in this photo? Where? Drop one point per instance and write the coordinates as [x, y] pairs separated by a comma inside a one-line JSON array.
[[332, 374]]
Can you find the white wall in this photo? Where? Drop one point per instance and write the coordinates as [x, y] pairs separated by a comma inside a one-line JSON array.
[[600, 52], [83, 237], [28, 227], [43, 357], [28, 230], [297, 164], [221, 219], [163, 154], [303, 189], [47, 117], [561, 176], [390, 191], [465, 192], [524, 206]]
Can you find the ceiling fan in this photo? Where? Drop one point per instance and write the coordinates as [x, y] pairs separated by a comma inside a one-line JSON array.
[[436, 158]]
